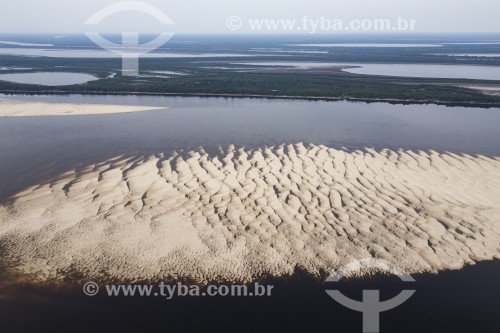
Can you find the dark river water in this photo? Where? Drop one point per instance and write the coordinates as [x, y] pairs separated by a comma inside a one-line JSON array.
[[33, 148], [464, 301]]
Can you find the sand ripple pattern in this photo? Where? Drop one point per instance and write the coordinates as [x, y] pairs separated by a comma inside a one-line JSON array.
[[247, 213]]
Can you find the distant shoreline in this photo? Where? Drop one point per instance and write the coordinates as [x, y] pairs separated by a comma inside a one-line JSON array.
[[284, 97]]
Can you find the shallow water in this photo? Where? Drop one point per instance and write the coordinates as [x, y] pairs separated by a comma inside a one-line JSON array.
[[488, 55], [102, 54], [167, 72], [484, 88], [405, 70], [429, 71], [367, 45]]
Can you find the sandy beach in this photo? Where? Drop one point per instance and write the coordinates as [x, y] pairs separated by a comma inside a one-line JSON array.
[[248, 213], [13, 108]]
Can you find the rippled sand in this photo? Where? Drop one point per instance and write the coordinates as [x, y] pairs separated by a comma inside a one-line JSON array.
[[248, 213], [11, 108]]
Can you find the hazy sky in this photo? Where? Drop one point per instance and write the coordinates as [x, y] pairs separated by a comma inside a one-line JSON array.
[[209, 16]]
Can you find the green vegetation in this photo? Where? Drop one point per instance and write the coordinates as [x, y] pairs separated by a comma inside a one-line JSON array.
[[203, 80]]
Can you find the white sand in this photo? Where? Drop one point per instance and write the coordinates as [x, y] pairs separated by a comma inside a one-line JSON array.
[[11, 108], [257, 212]]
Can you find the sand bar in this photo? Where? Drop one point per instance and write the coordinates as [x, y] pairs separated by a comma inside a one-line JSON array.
[[246, 213], [11, 108]]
